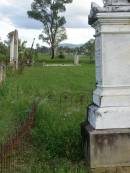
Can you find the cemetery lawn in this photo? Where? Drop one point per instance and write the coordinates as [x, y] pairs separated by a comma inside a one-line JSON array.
[[40, 59], [63, 94]]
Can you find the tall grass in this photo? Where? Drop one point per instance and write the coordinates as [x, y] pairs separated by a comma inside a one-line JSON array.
[[64, 94], [69, 59]]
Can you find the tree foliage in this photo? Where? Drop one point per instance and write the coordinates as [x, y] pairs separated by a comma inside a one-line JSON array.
[[48, 12], [24, 53], [22, 50], [4, 52], [89, 49]]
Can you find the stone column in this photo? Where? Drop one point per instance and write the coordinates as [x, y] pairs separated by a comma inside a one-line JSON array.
[[76, 59], [2, 72], [11, 49], [14, 48], [107, 131]]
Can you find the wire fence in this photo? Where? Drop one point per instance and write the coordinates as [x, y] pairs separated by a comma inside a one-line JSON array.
[[16, 142], [66, 98]]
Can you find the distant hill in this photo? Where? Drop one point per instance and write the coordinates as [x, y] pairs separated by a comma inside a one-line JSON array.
[[69, 45]]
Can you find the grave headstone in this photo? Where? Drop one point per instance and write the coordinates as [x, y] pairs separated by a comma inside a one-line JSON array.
[[2, 72], [76, 59], [14, 48], [107, 131]]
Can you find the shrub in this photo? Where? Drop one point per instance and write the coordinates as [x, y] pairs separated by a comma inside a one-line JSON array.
[[2, 57], [61, 55]]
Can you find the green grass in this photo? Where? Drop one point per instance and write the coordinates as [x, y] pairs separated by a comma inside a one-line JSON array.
[[64, 94], [69, 59], [14, 106], [34, 165]]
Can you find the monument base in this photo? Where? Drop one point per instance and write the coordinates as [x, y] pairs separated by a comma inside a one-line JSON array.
[[109, 117], [106, 148], [111, 170]]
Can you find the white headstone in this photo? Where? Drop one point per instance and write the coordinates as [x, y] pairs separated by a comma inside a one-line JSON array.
[[76, 59], [2, 72]]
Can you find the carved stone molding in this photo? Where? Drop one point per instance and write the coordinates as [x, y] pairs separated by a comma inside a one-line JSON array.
[[116, 2], [109, 6]]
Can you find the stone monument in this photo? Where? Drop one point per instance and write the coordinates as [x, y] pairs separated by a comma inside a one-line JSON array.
[[106, 132], [2, 72], [76, 59], [14, 48]]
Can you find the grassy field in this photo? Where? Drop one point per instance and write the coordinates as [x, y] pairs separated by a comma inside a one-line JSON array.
[[64, 94], [69, 59]]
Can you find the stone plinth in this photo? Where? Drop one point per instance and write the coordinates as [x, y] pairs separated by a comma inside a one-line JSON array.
[[106, 148]]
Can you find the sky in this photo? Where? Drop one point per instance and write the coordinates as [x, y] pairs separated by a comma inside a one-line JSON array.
[[13, 15]]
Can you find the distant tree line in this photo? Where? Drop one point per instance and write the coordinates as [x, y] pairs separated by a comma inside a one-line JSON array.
[[27, 55], [87, 49]]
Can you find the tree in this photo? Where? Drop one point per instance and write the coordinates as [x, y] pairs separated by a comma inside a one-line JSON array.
[[25, 54], [89, 49], [4, 53], [22, 54], [49, 13], [22, 51]]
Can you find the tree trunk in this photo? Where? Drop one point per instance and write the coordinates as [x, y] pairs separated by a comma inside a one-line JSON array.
[[52, 53]]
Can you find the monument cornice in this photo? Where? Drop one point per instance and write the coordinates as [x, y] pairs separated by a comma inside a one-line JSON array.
[[110, 6], [116, 2], [112, 18], [121, 15]]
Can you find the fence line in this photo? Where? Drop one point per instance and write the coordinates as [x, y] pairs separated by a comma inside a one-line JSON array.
[[16, 142], [70, 98]]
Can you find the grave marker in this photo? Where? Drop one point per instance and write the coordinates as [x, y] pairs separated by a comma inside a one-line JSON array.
[[76, 59], [107, 131], [14, 48]]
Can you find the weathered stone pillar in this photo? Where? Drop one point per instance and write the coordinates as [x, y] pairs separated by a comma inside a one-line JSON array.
[[11, 49], [14, 48], [107, 132], [2, 73], [76, 59]]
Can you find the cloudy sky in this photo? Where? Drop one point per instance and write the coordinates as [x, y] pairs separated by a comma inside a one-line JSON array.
[[13, 15]]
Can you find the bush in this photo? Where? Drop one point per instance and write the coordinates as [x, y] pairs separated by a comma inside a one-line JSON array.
[[2, 57], [61, 55]]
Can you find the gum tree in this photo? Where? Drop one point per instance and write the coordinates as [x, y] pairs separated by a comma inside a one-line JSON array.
[[48, 12]]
